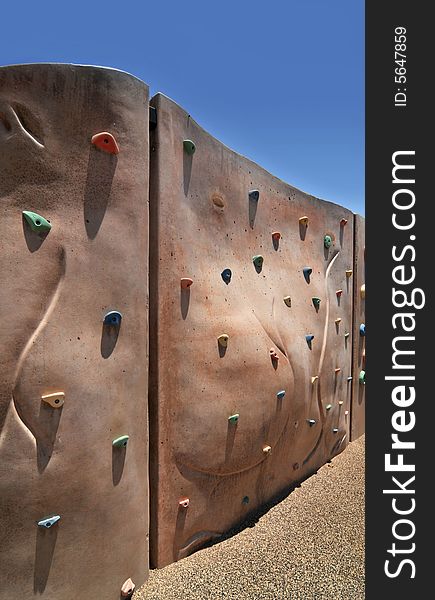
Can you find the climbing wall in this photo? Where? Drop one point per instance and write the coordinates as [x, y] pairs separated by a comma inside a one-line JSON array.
[[359, 348], [73, 403], [250, 334]]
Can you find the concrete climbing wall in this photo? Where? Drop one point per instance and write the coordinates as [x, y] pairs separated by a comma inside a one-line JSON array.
[[71, 385], [242, 401], [359, 347]]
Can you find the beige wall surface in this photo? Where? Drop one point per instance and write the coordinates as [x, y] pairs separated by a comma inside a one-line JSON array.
[[56, 290], [203, 221]]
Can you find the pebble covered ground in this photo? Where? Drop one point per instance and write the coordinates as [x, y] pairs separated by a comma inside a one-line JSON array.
[[309, 546]]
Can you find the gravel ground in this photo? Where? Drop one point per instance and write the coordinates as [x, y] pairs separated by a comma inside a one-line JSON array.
[[310, 546]]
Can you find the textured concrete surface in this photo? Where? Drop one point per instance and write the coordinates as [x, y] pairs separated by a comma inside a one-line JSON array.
[[210, 211], [310, 546], [55, 290]]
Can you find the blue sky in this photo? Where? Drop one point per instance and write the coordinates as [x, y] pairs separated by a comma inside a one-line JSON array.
[[281, 82]]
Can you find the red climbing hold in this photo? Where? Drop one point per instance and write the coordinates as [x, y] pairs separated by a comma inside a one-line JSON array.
[[186, 282], [276, 236], [343, 222], [106, 142]]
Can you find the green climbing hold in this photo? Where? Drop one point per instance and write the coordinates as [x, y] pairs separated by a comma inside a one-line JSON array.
[[234, 418], [316, 302], [189, 147], [36, 222], [327, 240], [362, 377], [258, 261], [120, 442]]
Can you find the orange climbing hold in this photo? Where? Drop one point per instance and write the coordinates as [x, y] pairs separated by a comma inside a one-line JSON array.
[[186, 282], [106, 142]]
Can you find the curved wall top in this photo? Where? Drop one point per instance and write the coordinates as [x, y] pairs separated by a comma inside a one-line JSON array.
[[83, 255]]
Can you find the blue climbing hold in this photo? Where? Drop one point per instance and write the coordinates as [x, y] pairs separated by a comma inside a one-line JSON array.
[[113, 318], [309, 338], [362, 329], [280, 395], [226, 275], [307, 272]]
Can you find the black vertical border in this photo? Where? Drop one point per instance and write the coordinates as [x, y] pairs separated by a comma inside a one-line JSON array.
[[390, 129]]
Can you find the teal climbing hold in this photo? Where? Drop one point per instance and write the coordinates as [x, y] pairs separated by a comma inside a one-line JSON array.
[[280, 395], [245, 500], [48, 522], [120, 442], [362, 377], [189, 147], [234, 418], [36, 222], [327, 240]]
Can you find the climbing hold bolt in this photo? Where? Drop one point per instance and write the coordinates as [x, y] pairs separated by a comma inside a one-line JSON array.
[[127, 588], [362, 329], [280, 395], [113, 318], [47, 522], [288, 301], [311, 422], [184, 502], [327, 241], [120, 442], [363, 291], [267, 449], [362, 377], [223, 340], [276, 236], [226, 275], [316, 302], [314, 379], [234, 418], [189, 147], [349, 273], [106, 142], [343, 222], [245, 500], [186, 282], [328, 406], [55, 400], [339, 293], [303, 220], [36, 222], [254, 195], [307, 272], [258, 261]]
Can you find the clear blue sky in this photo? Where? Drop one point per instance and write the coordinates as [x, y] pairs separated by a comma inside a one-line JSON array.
[[281, 82]]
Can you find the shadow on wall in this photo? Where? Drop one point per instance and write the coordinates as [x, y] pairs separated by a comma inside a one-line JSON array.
[[101, 169]]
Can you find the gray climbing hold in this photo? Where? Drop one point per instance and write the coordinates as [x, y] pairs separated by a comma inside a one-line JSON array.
[[226, 275], [48, 522], [189, 147], [307, 272], [254, 195], [113, 318]]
